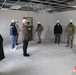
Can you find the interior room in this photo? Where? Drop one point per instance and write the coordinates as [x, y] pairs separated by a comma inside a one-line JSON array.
[[46, 58]]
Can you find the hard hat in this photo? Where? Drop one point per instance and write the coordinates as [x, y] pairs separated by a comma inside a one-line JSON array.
[[71, 20], [58, 21], [13, 21], [24, 20], [38, 22]]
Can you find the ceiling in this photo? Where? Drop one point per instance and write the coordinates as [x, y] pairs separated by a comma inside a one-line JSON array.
[[38, 5]]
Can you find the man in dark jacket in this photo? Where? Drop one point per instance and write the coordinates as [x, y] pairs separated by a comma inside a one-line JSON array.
[[13, 33], [57, 32], [2, 56], [25, 37]]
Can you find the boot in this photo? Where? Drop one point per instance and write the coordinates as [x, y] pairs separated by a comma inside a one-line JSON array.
[[71, 44], [67, 43]]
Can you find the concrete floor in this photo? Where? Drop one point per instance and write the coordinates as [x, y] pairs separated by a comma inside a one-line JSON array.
[[46, 58]]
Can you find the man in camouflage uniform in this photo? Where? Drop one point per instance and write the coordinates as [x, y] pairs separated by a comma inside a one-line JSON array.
[[70, 31], [39, 29]]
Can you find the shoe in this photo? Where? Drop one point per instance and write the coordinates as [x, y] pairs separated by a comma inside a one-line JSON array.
[[16, 43], [67, 46], [58, 42], [27, 55], [55, 42], [71, 47], [14, 48], [38, 42]]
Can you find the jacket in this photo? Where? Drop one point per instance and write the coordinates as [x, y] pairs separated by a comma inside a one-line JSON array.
[[70, 30], [13, 30], [18, 29], [39, 28], [25, 33], [58, 29]]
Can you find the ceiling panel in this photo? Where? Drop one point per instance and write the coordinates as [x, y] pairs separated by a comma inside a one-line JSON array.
[[39, 5], [12, 0], [25, 0]]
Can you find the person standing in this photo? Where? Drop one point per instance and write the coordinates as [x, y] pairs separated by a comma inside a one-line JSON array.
[[70, 31], [2, 56], [39, 29], [25, 37], [18, 31], [57, 32], [13, 33]]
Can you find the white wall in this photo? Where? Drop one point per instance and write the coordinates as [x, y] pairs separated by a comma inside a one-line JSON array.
[[5, 20], [48, 20]]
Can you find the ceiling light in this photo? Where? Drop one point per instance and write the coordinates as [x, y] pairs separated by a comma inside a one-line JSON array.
[[4, 9], [15, 7], [45, 10], [74, 6]]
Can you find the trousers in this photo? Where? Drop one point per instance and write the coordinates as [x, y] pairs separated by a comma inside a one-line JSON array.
[[25, 45]]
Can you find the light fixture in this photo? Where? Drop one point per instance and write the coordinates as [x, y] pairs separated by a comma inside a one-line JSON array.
[[15, 7], [74, 6], [45, 10], [4, 9]]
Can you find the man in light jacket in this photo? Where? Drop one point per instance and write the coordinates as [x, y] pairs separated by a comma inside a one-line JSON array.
[[39, 29], [18, 31]]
